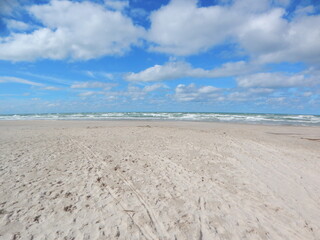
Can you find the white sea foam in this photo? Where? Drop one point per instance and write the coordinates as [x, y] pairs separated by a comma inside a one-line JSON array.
[[277, 119]]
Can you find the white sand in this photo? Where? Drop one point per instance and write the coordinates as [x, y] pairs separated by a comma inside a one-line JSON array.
[[158, 180]]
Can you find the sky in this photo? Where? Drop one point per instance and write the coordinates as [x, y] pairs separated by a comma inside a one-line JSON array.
[[251, 56]]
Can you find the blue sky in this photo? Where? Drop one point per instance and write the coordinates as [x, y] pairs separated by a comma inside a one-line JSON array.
[[145, 55]]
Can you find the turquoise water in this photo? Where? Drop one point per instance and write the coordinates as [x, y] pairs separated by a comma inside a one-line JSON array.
[[274, 119]]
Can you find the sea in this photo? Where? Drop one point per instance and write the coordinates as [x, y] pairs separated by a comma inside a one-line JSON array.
[[251, 118]]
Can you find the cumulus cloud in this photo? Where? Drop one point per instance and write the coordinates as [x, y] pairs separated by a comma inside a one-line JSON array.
[[86, 30], [7, 7], [171, 70], [182, 28], [176, 70], [260, 30], [196, 29], [194, 93], [271, 38], [248, 94], [275, 80], [304, 10], [132, 92], [191, 92], [138, 12], [116, 5], [17, 25], [154, 87], [76, 30], [136, 93], [282, 2], [93, 85]]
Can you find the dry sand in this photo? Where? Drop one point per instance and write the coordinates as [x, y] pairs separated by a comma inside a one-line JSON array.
[[158, 180]]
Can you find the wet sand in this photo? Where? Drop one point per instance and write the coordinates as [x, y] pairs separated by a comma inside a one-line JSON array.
[[158, 180]]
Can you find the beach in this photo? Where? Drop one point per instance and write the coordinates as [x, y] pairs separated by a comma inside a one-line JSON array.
[[158, 180]]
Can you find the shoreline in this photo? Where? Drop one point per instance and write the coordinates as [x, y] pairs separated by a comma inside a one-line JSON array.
[[242, 118], [159, 121]]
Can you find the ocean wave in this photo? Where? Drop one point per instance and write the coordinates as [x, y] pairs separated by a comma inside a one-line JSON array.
[[275, 119]]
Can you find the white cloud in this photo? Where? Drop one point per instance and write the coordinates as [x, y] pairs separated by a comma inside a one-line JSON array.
[[197, 29], [249, 94], [282, 2], [237, 96], [76, 30], [93, 85], [262, 31], [271, 38], [86, 30], [138, 12], [153, 87], [51, 105], [171, 70], [108, 75], [304, 10], [181, 28], [260, 90], [17, 25], [251, 6], [116, 5], [89, 93], [6, 79], [175, 70], [48, 78], [274, 80], [307, 94], [100, 74], [207, 89], [191, 92], [135, 93], [8, 7], [90, 74], [51, 88], [233, 69], [277, 100], [132, 92]]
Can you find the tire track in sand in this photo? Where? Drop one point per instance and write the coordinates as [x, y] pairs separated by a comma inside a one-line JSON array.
[[161, 233]]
